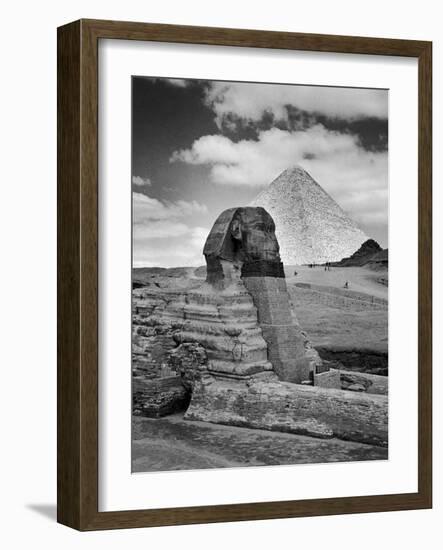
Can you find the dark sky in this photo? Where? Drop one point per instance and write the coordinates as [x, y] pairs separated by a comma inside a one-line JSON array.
[[167, 118], [199, 147]]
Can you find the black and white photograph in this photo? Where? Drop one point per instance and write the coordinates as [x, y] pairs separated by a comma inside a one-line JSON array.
[[218, 290], [259, 274]]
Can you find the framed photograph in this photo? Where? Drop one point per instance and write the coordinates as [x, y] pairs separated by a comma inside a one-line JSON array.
[[244, 275]]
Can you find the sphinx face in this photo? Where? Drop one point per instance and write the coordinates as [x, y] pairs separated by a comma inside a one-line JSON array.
[[253, 231], [242, 241]]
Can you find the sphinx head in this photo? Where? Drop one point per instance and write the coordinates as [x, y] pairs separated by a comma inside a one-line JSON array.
[[242, 242]]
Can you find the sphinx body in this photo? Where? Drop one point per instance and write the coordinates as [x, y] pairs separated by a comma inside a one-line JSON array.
[[242, 245], [233, 352], [239, 321]]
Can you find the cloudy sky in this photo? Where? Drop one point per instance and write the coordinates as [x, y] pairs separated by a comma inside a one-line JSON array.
[[199, 147]]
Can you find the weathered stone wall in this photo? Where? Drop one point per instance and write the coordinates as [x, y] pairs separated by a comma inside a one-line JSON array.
[[159, 397], [185, 333], [293, 408], [150, 349], [151, 340], [188, 361], [225, 324]]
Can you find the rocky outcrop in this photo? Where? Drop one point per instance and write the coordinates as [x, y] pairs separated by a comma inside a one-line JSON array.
[[361, 256], [310, 226], [379, 262]]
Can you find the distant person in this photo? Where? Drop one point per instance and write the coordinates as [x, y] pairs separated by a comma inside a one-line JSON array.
[[346, 285], [295, 273]]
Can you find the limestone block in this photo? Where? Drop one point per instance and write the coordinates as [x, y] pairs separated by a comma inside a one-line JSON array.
[[372, 383], [327, 379], [294, 408]]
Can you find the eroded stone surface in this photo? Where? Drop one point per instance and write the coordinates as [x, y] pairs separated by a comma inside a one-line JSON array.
[[293, 408], [371, 383], [328, 379], [242, 240], [289, 349], [160, 397], [187, 334], [242, 249]]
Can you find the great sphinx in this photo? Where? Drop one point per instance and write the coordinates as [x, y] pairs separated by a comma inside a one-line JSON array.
[[242, 249], [231, 350]]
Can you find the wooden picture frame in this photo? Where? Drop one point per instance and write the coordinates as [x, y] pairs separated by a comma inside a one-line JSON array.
[[77, 455]]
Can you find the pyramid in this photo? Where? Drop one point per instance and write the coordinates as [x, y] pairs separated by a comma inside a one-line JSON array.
[[310, 226]]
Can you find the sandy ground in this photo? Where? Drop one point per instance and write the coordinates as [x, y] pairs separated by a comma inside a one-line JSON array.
[[333, 326], [360, 279], [171, 443], [338, 328]]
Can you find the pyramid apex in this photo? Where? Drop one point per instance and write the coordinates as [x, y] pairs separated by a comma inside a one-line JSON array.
[[293, 175], [294, 168]]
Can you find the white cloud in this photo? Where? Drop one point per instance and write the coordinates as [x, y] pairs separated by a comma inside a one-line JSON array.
[[178, 251], [162, 235], [179, 82], [139, 181], [160, 229], [354, 177], [252, 100], [147, 209]]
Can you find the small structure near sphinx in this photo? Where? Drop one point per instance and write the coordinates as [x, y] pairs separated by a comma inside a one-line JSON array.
[[231, 351]]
